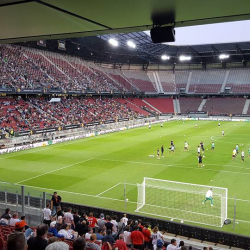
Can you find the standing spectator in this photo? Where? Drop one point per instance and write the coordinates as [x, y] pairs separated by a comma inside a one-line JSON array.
[[68, 218], [172, 245], [91, 244], [16, 241], [125, 219], [101, 222], [147, 236], [115, 228], [137, 238], [76, 217], [127, 237], [121, 226], [120, 244], [108, 224], [59, 219], [55, 203], [79, 244], [92, 221], [47, 215], [156, 235], [39, 242]]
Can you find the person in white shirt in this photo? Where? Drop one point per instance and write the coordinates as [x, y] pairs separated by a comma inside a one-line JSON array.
[[115, 225], [209, 197], [88, 234], [127, 237], [155, 235], [173, 245], [125, 219], [66, 232], [68, 217], [242, 155], [47, 215], [14, 219], [198, 150]]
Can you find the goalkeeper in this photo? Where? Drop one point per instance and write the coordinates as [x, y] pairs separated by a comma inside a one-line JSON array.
[[209, 197]]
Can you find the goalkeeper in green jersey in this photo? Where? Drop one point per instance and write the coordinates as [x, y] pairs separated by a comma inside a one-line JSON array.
[[209, 197]]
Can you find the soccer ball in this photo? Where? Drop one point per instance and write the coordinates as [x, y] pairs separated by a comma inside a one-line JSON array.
[[204, 156], [182, 221], [127, 199]]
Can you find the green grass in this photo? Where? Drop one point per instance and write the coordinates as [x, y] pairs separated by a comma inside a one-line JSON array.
[[92, 171]]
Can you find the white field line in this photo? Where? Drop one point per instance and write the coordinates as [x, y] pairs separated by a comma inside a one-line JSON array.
[[52, 171], [82, 194], [180, 166], [109, 189]]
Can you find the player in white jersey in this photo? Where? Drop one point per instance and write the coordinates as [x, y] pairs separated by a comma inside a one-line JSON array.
[[209, 197], [186, 146], [223, 133], [242, 155], [198, 150]]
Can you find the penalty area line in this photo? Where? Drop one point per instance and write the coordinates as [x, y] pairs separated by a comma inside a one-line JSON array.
[[108, 189]]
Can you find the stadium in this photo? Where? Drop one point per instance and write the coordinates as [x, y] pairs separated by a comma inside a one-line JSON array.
[[132, 114]]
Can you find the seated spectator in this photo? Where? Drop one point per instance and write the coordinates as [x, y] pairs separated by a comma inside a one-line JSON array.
[[88, 234], [120, 244], [91, 244], [108, 238], [79, 244], [14, 219], [39, 242], [172, 245], [137, 238], [20, 226], [53, 230], [181, 244], [127, 237], [99, 234], [16, 241], [67, 232], [5, 221], [58, 245], [52, 240], [7, 214], [81, 227]]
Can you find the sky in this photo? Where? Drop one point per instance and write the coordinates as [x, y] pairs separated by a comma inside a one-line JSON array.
[[229, 32]]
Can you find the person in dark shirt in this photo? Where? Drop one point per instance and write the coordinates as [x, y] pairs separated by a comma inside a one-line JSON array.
[[108, 224], [81, 227], [6, 215], [76, 217], [108, 238], [39, 242]]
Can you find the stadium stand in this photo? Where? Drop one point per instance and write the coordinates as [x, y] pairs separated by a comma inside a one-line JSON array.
[[218, 106], [164, 105], [167, 79], [189, 104]]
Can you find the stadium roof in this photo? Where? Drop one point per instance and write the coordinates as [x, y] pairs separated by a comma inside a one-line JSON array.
[[30, 20]]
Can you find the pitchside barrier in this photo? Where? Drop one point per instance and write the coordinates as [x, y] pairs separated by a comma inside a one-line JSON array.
[[31, 201]]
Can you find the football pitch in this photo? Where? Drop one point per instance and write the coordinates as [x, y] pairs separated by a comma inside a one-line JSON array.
[[92, 171]]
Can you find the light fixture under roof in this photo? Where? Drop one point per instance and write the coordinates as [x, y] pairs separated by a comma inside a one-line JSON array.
[[131, 44], [165, 57], [185, 58], [223, 56], [113, 42]]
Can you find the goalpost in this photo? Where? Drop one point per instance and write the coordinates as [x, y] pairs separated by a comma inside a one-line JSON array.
[[182, 201]]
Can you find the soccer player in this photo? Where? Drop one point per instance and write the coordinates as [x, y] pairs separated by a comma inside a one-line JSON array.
[[249, 153], [186, 146], [237, 148], [242, 155], [171, 143], [209, 197], [195, 125], [161, 125], [200, 161], [162, 151], [172, 148], [149, 126], [198, 150], [212, 147], [223, 133], [219, 124], [234, 153], [202, 147], [158, 153]]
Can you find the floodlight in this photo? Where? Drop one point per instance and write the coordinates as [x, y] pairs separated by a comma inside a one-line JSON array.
[[223, 56], [131, 44], [78, 48], [113, 42], [165, 57], [185, 58]]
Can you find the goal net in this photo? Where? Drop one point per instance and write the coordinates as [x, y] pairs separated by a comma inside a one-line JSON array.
[[182, 201]]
